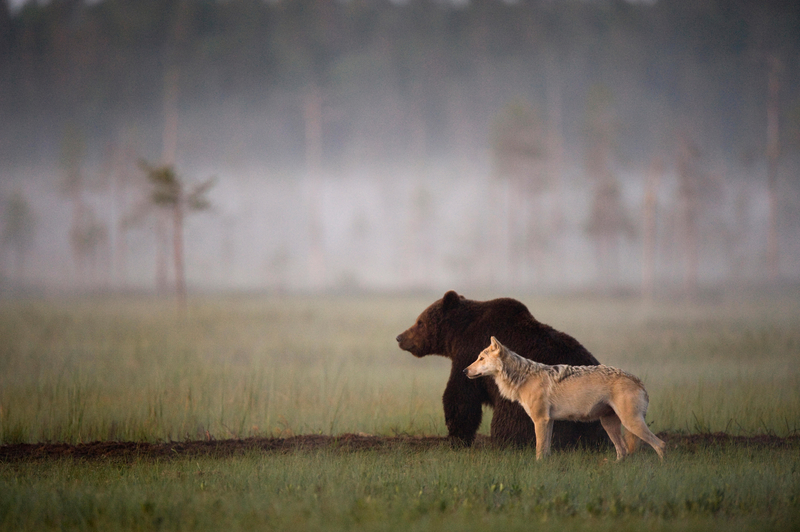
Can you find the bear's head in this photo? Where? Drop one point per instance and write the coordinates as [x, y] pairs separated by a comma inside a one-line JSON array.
[[426, 336]]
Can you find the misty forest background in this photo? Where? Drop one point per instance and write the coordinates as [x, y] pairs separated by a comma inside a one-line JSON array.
[[301, 145]]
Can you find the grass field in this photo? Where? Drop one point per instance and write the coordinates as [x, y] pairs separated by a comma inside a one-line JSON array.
[[480, 489], [233, 367]]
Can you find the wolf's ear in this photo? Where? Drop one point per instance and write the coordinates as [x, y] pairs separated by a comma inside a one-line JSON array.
[[450, 301], [495, 344]]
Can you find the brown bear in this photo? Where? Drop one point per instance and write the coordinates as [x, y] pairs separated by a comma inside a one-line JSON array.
[[459, 329]]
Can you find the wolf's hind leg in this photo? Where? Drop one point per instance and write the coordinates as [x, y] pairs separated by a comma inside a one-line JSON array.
[[637, 425], [612, 425], [630, 441]]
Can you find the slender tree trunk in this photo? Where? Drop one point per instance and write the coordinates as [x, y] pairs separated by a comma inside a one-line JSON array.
[[76, 236], [3, 255], [169, 151], [688, 205], [533, 250], [689, 242], [177, 246], [773, 152], [605, 250], [161, 253], [169, 137], [312, 113], [514, 207], [499, 269], [557, 222], [649, 224], [121, 235], [555, 140], [20, 251]]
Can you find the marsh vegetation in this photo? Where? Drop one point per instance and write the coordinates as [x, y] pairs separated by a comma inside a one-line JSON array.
[[236, 367], [105, 369]]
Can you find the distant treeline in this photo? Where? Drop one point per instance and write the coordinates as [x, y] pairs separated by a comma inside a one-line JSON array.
[[289, 81]]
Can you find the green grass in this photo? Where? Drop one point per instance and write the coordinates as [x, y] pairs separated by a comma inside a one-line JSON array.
[[134, 369], [480, 489], [106, 369]]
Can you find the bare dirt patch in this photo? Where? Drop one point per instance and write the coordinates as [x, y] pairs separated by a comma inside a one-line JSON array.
[[128, 451], [214, 448]]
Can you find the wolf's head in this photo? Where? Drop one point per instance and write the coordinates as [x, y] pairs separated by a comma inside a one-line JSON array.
[[489, 363]]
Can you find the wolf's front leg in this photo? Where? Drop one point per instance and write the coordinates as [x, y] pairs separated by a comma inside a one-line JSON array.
[[613, 426], [544, 434]]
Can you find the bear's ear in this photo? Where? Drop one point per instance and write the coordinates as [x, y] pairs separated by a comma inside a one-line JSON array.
[[450, 301]]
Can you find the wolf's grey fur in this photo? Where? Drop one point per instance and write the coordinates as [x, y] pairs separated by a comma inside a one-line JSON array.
[[517, 369]]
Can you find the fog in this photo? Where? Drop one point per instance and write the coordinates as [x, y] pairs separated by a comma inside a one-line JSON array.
[[641, 148]]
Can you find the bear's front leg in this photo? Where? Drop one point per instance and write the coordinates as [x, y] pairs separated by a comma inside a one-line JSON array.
[[511, 425], [462, 409]]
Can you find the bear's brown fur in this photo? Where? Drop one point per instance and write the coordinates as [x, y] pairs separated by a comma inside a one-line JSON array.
[[459, 329]]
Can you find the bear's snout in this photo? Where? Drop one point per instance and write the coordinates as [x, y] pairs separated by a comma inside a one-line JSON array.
[[402, 340], [409, 340]]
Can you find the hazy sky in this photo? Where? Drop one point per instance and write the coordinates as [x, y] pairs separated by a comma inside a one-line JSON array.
[[383, 176]]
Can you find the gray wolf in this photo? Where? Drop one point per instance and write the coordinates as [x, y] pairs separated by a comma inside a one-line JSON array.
[[576, 393]]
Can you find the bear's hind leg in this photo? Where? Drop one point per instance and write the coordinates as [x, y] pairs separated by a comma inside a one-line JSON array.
[[511, 425]]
